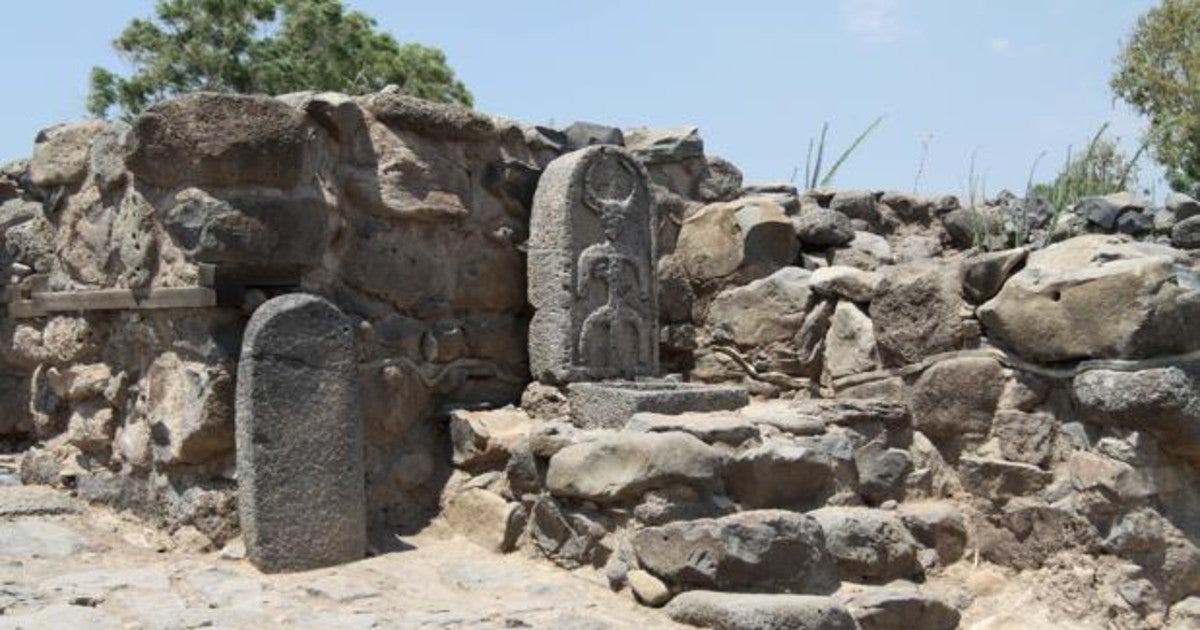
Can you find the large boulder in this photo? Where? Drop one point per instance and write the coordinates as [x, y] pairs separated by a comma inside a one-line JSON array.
[[1186, 234], [764, 316], [869, 545], [1097, 297], [762, 550], [755, 611], [1164, 401], [917, 313], [735, 242], [213, 139], [622, 466]]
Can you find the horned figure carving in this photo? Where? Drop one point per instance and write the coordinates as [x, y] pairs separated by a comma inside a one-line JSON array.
[[606, 262]]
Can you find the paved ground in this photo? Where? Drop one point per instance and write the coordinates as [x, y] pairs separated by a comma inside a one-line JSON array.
[[63, 565]]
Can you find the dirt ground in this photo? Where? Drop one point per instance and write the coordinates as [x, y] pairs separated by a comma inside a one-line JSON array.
[[64, 565]]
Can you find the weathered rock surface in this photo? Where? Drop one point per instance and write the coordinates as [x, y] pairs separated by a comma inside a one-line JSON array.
[[846, 283], [820, 228], [780, 473], [1095, 297], [887, 609], [764, 550], [622, 466], [957, 396], [735, 242], [850, 346], [745, 611], [868, 545], [1164, 401], [763, 313], [486, 439], [916, 313]]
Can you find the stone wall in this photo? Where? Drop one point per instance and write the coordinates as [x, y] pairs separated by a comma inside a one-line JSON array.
[[133, 255]]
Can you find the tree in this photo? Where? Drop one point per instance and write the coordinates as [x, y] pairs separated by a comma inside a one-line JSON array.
[[1158, 73], [265, 47]]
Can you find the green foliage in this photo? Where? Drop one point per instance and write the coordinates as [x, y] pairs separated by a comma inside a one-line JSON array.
[[265, 47], [812, 171], [1158, 73], [1101, 170]]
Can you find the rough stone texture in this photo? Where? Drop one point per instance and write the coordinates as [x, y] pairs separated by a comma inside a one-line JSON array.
[[591, 276], [1186, 234], [763, 311], [483, 440], [984, 274], [189, 411], [763, 550], [1096, 297], [622, 466], [819, 228], [850, 343], [868, 545], [300, 437], [866, 251], [896, 609], [211, 139], [485, 519], [1025, 437], [856, 204], [916, 313], [780, 474], [734, 243], [1164, 401], [60, 156], [938, 525], [846, 283], [610, 405], [746, 611], [956, 397], [712, 428], [1026, 533], [721, 181], [998, 479]]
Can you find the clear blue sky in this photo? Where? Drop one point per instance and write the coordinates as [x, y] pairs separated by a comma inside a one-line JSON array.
[[1004, 78]]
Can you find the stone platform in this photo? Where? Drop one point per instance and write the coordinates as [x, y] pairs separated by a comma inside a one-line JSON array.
[[609, 404]]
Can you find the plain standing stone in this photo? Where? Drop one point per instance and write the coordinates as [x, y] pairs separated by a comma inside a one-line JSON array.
[[300, 437]]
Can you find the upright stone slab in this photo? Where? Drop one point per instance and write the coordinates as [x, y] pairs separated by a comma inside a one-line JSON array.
[[301, 496], [592, 281]]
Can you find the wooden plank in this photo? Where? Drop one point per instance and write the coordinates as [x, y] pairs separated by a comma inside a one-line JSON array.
[[113, 299]]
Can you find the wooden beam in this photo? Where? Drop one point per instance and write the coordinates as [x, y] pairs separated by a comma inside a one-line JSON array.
[[40, 304]]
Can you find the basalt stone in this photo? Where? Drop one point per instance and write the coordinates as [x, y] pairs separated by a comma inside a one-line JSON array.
[[760, 550], [299, 432], [591, 275], [610, 405]]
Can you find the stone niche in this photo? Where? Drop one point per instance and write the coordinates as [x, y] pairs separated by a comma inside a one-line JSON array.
[[591, 275]]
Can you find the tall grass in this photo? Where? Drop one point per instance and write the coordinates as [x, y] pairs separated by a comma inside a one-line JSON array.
[[814, 177]]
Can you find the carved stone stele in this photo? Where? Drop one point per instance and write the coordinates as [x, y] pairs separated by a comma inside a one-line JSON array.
[[591, 270]]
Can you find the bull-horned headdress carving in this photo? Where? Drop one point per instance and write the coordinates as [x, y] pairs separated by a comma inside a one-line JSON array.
[[612, 210]]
